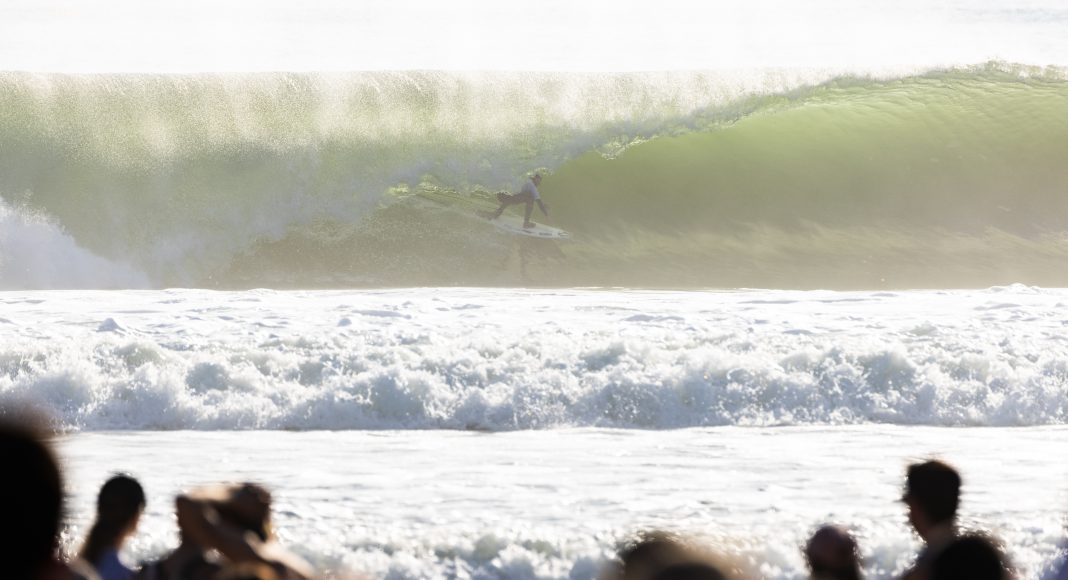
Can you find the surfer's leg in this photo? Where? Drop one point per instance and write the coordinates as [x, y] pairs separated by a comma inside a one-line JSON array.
[[526, 217], [505, 201]]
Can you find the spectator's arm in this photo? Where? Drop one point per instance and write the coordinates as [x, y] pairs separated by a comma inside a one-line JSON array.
[[199, 521]]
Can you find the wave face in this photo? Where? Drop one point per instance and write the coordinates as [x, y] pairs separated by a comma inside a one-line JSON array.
[[501, 360], [775, 179]]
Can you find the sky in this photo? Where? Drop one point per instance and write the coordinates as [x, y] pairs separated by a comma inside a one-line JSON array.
[[183, 36]]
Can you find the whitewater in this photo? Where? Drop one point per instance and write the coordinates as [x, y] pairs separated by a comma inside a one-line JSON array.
[[504, 360], [514, 433], [809, 245]]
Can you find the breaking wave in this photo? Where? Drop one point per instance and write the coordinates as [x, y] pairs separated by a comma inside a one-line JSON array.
[[945, 178]]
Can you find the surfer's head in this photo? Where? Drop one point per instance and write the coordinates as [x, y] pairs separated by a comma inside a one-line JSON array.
[[536, 179]]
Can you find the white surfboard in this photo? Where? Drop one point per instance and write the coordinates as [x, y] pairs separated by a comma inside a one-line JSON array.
[[514, 225]]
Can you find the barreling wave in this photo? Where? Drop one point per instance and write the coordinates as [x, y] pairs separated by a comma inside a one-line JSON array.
[[946, 178]]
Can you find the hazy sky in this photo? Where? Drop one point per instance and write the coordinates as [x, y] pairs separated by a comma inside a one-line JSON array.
[[567, 35]]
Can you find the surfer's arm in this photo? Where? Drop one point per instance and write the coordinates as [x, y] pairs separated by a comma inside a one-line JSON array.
[[544, 209]]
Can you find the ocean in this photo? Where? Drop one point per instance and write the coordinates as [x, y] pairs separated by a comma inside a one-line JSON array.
[[523, 433], [788, 278], [949, 178]]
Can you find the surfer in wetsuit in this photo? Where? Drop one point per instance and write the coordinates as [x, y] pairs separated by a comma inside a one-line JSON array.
[[528, 195]]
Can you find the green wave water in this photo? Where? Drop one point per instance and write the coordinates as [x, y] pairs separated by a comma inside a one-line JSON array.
[[942, 179]]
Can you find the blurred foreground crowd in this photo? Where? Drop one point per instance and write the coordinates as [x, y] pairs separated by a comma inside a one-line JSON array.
[[225, 532]]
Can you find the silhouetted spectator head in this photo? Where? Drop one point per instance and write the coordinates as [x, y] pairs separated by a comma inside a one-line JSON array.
[[932, 492], [234, 521], [658, 555], [246, 572], [649, 553], [690, 571], [832, 553], [32, 492], [118, 509], [247, 507], [970, 557]]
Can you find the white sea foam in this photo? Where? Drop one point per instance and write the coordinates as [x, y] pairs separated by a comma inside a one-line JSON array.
[[746, 417], [505, 360], [554, 503], [36, 253]]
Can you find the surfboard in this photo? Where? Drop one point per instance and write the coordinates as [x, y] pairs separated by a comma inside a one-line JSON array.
[[509, 224], [514, 225]]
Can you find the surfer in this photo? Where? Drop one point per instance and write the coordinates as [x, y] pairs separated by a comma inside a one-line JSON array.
[[528, 195]]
